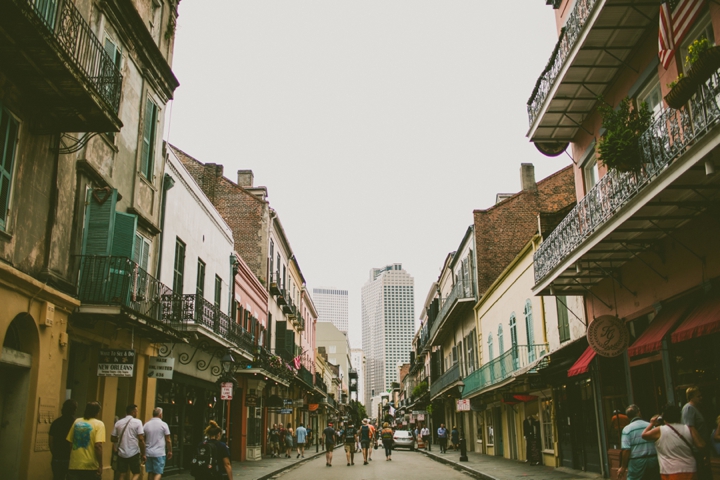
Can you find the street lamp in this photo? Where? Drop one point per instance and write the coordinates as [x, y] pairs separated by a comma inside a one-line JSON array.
[[227, 363], [461, 387]]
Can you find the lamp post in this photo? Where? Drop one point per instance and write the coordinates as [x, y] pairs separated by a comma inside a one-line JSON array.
[[227, 362], [463, 442]]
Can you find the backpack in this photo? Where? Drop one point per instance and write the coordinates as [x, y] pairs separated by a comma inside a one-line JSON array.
[[365, 433], [204, 464], [387, 434]]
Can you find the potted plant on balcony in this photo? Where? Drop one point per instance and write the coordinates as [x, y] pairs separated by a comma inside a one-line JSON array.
[[619, 147], [702, 60], [680, 91]]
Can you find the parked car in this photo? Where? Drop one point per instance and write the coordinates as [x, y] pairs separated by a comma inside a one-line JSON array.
[[403, 439]]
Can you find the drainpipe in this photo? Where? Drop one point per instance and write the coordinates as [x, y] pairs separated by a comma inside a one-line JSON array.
[[168, 183], [542, 307]]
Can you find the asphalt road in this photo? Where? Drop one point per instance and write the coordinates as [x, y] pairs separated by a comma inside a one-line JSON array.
[[404, 465]]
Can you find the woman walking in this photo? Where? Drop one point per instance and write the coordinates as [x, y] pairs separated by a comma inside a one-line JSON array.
[[387, 440], [674, 444], [288, 440]]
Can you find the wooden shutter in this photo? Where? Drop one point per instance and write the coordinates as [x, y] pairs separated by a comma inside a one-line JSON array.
[[99, 222], [123, 241], [280, 330], [146, 165]]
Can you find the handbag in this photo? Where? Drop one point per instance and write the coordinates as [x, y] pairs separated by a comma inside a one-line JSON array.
[[114, 455], [702, 458]]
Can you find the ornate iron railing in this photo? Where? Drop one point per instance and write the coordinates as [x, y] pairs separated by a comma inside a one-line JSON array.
[[502, 367], [331, 401], [120, 281], [568, 36], [460, 290], [450, 376], [667, 138], [320, 383], [306, 376], [71, 33]]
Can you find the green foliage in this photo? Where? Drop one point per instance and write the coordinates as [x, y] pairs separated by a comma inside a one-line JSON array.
[[419, 389], [672, 84], [362, 413], [619, 148], [695, 50], [429, 409]]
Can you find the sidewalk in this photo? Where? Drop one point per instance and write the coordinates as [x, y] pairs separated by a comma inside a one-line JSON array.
[[498, 468], [265, 468]]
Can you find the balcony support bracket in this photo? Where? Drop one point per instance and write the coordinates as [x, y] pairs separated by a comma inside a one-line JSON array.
[[569, 310], [635, 255], [591, 293], [578, 124], [609, 274], [669, 233]]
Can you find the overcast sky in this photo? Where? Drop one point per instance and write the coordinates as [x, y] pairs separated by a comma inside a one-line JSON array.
[[377, 126]]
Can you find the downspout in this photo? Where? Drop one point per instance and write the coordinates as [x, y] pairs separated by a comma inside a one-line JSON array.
[[542, 302], [168, 183]]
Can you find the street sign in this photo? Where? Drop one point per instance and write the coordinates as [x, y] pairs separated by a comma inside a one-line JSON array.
[[463, 405], [161, 367], [116, 363], [226, 391], [284, 411]]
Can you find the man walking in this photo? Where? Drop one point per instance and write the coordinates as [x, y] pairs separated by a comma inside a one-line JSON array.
[[365, 440], [87, 436], [159, 445], [425, 434], [274, 441], [442, 434], [351, 438], [128, 438], [301, 433], [373, 440], [691, 415], [329, 442], [59, 447], [639, 458]]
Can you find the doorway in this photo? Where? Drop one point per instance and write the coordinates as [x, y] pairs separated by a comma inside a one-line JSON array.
[[498, 431]]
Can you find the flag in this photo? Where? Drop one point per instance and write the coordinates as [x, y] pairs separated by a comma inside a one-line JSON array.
[[392, 411], [296, 361], [676, 18]]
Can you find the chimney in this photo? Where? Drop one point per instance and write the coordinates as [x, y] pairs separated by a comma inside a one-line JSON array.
[[214, 169], [245, 178], [527, 177]]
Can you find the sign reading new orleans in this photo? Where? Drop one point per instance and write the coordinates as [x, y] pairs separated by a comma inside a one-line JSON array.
[[116, 363], [608, 336]]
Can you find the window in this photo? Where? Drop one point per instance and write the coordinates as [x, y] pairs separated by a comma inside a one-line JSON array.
[[200, 280], [652, 96], [491, 354], [332, 349], [218, 291], [8, 139], [179, 266], [141, 251], [115, 53], [529, 327], [563, 324], [490, 430], [501, 340], [147, 163], [547, 426], [702, 29], [514, 341], [591, 175]]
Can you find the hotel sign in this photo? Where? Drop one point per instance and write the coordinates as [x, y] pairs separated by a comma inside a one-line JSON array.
[[608, 336]]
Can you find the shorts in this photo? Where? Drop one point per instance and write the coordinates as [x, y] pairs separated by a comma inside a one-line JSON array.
[[155, 465], [274, 445], [329, 446], [132, 463], [365, 444], [350, 447], [300, 444]]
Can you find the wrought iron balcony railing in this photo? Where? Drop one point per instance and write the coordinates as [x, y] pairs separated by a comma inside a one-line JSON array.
[[331, 401], [306, 376], [460, 290], [667, 138], [450, 376], [568, 36], [120, 281], [502, 367], [69, 31], [320, 383]]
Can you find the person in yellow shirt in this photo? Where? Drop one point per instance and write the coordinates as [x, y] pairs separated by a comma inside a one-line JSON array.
[[87, 436]]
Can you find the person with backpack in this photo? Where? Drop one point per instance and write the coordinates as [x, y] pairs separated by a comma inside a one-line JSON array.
[[372, 440], [387, 440], [212, 457], [365, 434], [289, 434], [329, 442], [351, 437]]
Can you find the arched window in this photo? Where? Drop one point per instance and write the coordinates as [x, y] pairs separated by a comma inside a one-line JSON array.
[[514, 341], [491, 354], [501, 341], [529, 330]]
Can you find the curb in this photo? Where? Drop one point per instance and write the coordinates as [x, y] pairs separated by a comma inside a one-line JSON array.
[[459, 466], [293, 465]]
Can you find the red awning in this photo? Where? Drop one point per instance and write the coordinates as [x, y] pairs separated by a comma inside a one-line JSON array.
[[651, 338], [582, 365], [704, 320]]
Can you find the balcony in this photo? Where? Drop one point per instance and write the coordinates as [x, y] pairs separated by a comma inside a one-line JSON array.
[[319, 383], [289, 308], [517, 360], [461, 299], [597, 41], [51, 54], [306, 376], [117, 289], [300, 322], [193, 313], [282, 299], [622, 215], [445, 381], [275, 284]]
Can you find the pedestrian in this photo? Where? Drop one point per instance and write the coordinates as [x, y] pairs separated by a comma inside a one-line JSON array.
[[455, 438], [673, 443], [387, 440], [372, 440], [213, 433], [425, 434], [60, 448], [365, 435], [87, 436], [350, 437], [158, 445], [301, 433], [288, 440], [274, 441], [693, 418], [128, 438], [442, 434], [329, 442], [639, 458]]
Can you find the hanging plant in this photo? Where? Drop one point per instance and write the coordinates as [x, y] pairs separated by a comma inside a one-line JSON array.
[[619, 147]]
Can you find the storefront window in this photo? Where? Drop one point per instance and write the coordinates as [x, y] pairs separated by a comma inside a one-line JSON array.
[[490, 431], [547, 427]]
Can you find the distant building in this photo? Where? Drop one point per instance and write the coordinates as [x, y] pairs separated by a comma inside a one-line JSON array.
[[337, 348], [332, 306], [357, 357], [388, 324]]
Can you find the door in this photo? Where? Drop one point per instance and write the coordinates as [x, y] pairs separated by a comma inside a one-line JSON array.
[[15, 381], [497, 421], [590, 460], [565, 423], [512, 433]]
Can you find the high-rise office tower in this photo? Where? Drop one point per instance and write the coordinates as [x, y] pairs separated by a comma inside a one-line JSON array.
[[357, 357], [332, 306], [388, 319]]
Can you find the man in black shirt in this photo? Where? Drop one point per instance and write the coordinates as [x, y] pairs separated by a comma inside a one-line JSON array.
[[274, 441], [351, 438], [59, 447], [329, 442]]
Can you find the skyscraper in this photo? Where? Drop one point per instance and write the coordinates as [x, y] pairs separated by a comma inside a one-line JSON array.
[[332, 306], [388, 318]]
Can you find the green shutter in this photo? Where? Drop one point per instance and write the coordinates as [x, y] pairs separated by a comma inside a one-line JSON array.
[[123, 242], [280, 337], [146, 166], [290, 342], [99, 222]]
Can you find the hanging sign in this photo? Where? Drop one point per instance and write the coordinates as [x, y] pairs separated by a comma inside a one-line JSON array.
[[251, 400], [226, 391], [313, 406], [161, 367], [420, 417], [463, 405], [286, 411], [608, 336], [116, 363]]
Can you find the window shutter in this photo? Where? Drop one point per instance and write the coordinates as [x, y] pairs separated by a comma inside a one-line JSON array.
[[148, 139], [290, 342], [123, 242], [280, 337], [99, 222]]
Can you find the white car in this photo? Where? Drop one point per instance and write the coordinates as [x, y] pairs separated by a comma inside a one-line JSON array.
[[403, 439]]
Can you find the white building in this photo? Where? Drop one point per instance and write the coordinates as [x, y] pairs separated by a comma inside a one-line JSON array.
[[388, 324], [357, 357], [332, 306]]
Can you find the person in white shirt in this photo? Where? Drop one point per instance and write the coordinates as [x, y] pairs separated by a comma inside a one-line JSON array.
[[425, 434], [158, 445], [128, 438]]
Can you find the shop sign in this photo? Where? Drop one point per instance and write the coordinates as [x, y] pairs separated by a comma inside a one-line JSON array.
[[608, 336], [287, 401], [161, 367], [116, 363], [463, 405], [226, 391], [251, 400], [300, 402], [313, 406], [286, 411], [420, 417]]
